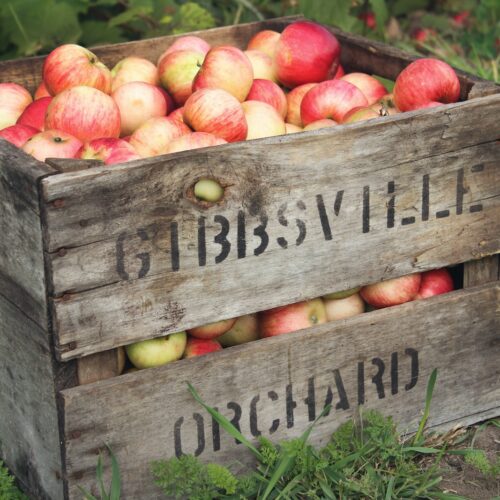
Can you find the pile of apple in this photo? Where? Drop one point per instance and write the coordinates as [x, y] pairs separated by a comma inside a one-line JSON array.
[[198, 96], [286, 319]]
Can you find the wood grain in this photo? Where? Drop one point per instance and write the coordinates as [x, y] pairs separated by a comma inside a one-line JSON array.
[[100, 366], [109, 230], [21, 252], [457, 333]]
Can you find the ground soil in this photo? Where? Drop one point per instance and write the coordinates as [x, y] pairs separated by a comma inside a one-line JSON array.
[[463, 479]]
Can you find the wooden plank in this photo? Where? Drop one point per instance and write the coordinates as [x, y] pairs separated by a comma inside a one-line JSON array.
[[381, 359], [100, 366], [21, 251], [28, 71], [29, 433], [486, 270], [116, 279]]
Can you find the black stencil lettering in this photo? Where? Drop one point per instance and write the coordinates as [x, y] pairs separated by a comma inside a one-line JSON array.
[[284, 222], [338, 202], [221, 238], [377, 378], [323, 217], [310, 400], [120, 257], [301, 225], [276, 422], [290, 406], [460, 191], [414, 368], [361, 383], [177, 437], [261, 232], [253, 417], [174, 246], [441, 214], [241, 236], [391, 205], [215, 433], [394, 373], [476, 208], [144, 256], [237, 416], [425, 197], [200, 428], [406, 221], [328, 400], [343, 403], [202, 244], [366, 209]]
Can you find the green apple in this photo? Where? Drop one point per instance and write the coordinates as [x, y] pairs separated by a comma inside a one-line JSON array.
[[343, 294], [157, 352], [245, 329]]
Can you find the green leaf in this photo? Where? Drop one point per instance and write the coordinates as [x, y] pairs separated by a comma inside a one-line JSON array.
[[129, 15], [98, 33], [402, 7], [115, 477], [381, 14], [428, 398]]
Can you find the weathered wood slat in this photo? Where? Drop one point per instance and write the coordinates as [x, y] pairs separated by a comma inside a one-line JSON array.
[[137, 282], [21, 251], [364, 359], [486, 270], [100, 366]]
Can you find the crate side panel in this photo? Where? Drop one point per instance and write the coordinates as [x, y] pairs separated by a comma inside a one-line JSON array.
[[329, 215], [276, 387], [29, 433], [21, 252]]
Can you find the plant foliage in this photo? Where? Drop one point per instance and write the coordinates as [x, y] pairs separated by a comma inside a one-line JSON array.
[[8, 489]]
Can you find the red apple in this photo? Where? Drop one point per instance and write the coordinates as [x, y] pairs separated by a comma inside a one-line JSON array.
[[18, 134], [294, 100], [154, 136], [14, 99], [435, 282], [263, 120], [392, 292], [156, 352], [287, 319], [306, 52], [324, 123], [266, 41], [177, 114], [245, 329], [344, 308], [361, 114], [212, 330], [269, 92], [368, 19], [372, 89], [226, 68], [41, 91], [340, 72], [199, 347], [177, 71], [331, 99], [34, 114], [425, 81], [134, 69], [262, 65], [194, 140], [71, 65], [460, 19], [138, 102], [52, 144], [108, 150], [84, 112], [292, 129], [217, 112], [187, 42]]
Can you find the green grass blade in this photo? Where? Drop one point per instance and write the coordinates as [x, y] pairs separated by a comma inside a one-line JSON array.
[[428, 398], [86, 494], [115, 477], [225, 423], [284, 465], [390, 488], [99, 474]]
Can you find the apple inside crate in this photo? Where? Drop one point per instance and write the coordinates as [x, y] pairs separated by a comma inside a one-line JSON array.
[[96, 258]]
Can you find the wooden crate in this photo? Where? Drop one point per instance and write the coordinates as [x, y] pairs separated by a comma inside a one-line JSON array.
[[93, 258]]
